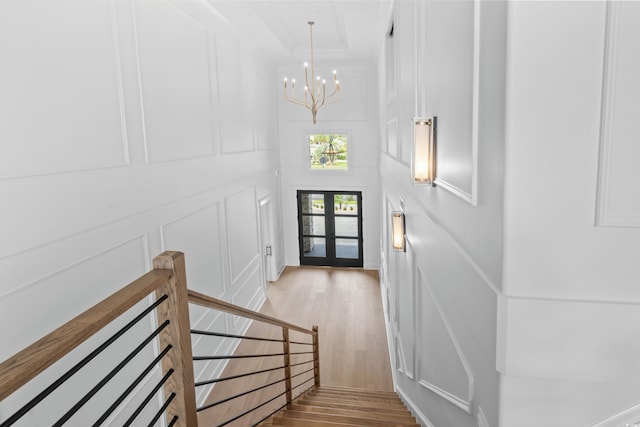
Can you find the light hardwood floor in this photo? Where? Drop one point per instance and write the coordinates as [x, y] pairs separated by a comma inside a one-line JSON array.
[[346, 306]]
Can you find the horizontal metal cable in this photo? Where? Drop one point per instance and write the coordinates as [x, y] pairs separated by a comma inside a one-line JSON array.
[[110, 375], [237, 395], [251, 410], [301, 343], [280, 408], [148, 398], [301, 373], [174, 420], [220, 334], [163, 408], [303, 382], [61, 380], [240, 356], [304, 391], [301, 363], [301, 352], [132, 386], [233, 377]]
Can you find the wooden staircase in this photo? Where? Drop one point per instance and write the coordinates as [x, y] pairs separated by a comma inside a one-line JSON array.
[[329, 406]]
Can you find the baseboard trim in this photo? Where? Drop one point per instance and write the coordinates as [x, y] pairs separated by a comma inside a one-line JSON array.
[[422, 418]]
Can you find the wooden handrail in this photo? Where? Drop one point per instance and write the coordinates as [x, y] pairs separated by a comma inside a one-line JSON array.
[[28, 363], [168, 281], [207, 301]]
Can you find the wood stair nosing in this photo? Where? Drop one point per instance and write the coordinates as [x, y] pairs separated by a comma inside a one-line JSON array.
[[367, 420], [306, 422], [323, 401], [324, 395], [399, 415], [381, 396]]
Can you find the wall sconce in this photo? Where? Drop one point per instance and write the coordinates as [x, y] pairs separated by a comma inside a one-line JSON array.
[[397, 232], [423, 155]]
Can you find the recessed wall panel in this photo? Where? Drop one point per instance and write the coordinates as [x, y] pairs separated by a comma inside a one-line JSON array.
[[236, 78], [442, 368], [618, 198], [61, 97], [197, 235], [242, 231], [406, 299], [452, 67], [173, 57]]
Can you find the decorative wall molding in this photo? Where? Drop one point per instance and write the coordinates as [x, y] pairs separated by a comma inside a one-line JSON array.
[[203, 222], [464, 403], [482, 419], [235, 299], [408, 285], [241, 217], [471, 195], [415, 410], [627, 418], [392, 138], [189, 133], [51, 138], [616, 189]]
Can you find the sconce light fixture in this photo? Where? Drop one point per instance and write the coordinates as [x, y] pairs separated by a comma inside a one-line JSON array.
[[423, 155], [397, 231]]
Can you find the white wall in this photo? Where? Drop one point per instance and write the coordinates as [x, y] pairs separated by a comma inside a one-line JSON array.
[[128, 128], [571, 274], [542, 286], [441, 295], [355, 113]]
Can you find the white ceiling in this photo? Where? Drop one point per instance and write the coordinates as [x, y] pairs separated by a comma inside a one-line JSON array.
[[344, 29]]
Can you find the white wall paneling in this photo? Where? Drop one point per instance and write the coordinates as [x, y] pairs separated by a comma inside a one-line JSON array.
[[70, 71], [444, 369], [62, 104], [236, 79], [452, 33], [250, 293], [175, 82], [618, 201], [405, 289], [627, 417], [392, 137], [68, 290], [242, 232], [198, 234]]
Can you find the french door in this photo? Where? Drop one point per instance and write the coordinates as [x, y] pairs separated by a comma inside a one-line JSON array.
[[330, 228]]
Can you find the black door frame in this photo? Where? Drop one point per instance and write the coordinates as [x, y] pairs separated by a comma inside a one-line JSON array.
[[329, 215]]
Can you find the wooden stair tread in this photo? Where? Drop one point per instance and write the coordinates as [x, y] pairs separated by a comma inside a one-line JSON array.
[[370, 396], [331, 406], [327, 401], [357, 413]]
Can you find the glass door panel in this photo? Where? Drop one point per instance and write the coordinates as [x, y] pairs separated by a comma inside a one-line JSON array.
[[330, 236]]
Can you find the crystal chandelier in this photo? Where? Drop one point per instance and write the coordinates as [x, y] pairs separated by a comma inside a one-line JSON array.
[[315, 94]]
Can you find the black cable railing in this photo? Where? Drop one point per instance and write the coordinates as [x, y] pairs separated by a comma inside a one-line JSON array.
[[292, 360], [40, 397]]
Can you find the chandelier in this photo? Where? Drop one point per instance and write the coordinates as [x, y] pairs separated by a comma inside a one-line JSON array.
[[315, 92]]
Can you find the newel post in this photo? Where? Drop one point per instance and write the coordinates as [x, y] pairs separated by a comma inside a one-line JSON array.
[[178, 335], [286, 347], [316, 356]]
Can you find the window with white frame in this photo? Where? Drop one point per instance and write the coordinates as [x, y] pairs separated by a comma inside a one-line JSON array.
[[328, 151]]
